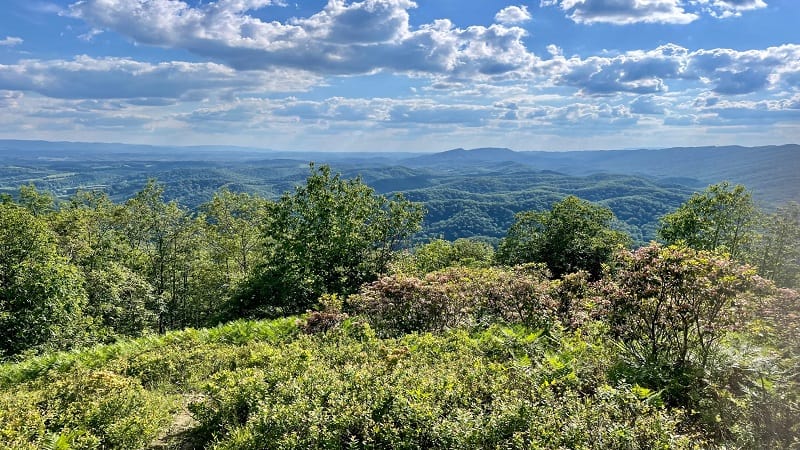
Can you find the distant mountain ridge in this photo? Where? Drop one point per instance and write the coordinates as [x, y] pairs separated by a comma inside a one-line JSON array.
[[771, 172], [466, 192]]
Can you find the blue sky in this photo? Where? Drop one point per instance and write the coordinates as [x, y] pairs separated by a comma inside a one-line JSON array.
[[402, 75]]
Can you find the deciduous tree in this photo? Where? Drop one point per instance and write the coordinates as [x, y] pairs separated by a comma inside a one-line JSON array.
[[574, 235], [719, 218], [41, 294], [777, 248], [330, 236]]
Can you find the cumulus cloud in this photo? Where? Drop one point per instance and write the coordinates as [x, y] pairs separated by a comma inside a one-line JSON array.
[[729, 8], [752, 112], [10, 41], [635, 71], [343, 38], [725, 71], [623, 12], [741, 72], [666, 69], [513, 15], [368, 22], [97, 78]]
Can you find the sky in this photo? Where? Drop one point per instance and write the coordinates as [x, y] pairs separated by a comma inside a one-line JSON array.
[[402, 75]]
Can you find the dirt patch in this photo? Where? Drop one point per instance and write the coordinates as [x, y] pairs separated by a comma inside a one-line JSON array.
[[178, 436]]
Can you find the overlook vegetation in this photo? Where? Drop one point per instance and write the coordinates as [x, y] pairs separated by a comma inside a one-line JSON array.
[[314, 321]]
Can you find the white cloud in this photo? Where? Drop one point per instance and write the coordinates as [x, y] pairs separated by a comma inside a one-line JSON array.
[[10, 99], [89, 35], [513, 15], [492, 74], [729, 8], [123, 78], [725, 71], [343, 38], [367, 22], [739, 72], [624, 12], [10, 41]]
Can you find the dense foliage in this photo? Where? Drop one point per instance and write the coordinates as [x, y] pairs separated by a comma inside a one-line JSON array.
[[719, 218], [776, 250], [41, 294], [575, 342], [574, 235], [486, 375], [330, 236], [440, 254], [455, 298], [91, 270]]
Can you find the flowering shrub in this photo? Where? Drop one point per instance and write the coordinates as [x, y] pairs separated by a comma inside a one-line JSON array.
[[457, 297], [672, 304]]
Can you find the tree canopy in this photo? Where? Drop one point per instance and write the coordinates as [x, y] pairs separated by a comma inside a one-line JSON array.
[[573, 235], [719, 218], [41, 294], [330, 236]]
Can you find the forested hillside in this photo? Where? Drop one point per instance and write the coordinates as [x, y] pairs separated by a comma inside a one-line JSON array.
[[771, 172], [133, 325]]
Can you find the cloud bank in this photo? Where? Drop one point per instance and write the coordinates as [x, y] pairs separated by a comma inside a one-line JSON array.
[[299, 79], [342, 39], [626, 12]]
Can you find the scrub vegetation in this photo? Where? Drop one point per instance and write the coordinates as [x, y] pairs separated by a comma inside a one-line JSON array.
[[315, 320]]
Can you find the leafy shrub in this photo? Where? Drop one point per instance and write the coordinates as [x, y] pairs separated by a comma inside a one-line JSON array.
[[581, 301], [440, 254], [86, 410], [22, 424], [700, 328], [501, 388], [759, 387], [321, 321], [671, 305], [105, 410], [457, 297]]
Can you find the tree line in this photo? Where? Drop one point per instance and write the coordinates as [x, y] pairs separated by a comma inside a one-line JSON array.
[[89, 270]]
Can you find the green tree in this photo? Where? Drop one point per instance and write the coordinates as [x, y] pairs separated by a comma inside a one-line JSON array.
[[87, 232], [120, 300], [574, 235], [234, 232], [439, 254], [41, 294], [37, 202], [163, 239], [330, 236], [777, 248], [719, 218]]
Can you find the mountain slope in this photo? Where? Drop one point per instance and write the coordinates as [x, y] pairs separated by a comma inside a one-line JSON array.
[[771, 172]]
